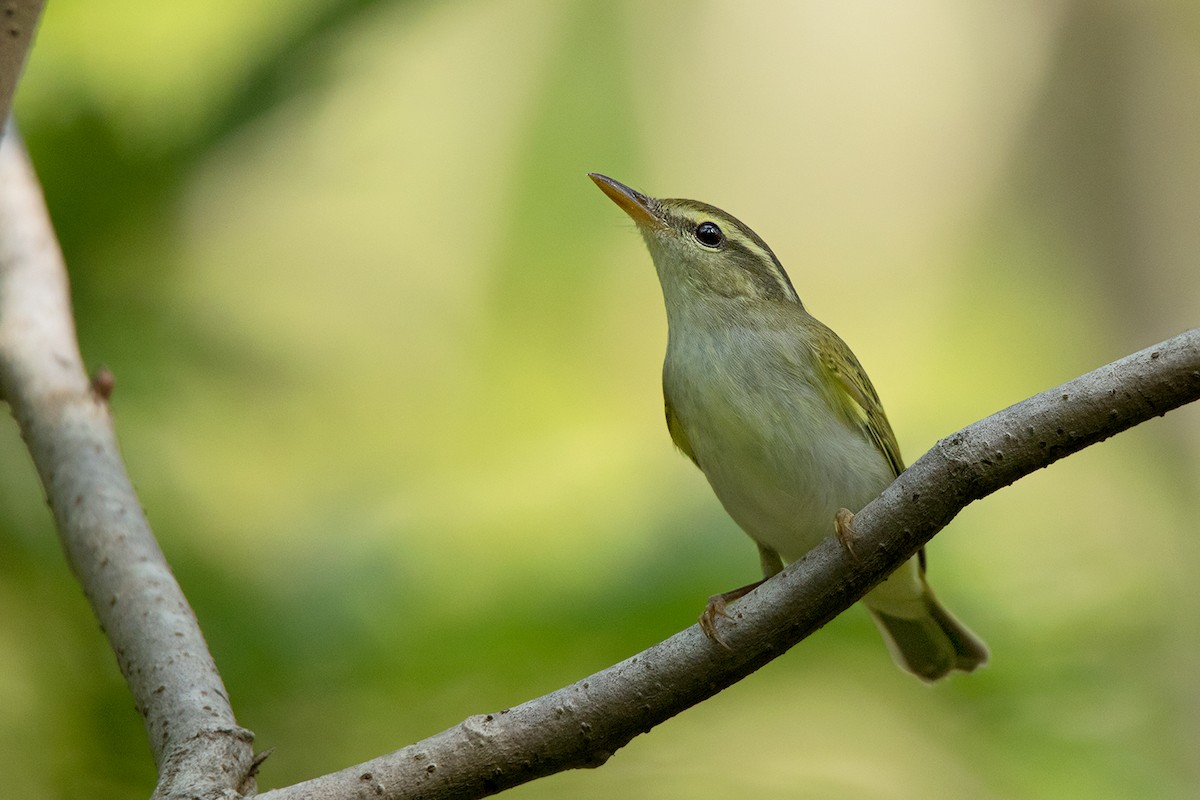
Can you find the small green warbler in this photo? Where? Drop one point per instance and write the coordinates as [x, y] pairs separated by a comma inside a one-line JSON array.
[[779, 415]]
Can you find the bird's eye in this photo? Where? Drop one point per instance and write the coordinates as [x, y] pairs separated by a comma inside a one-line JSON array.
[[708, 234]]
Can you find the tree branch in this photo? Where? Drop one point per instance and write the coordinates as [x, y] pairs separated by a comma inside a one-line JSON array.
[[18, 24], [585, 723], [198, 747]]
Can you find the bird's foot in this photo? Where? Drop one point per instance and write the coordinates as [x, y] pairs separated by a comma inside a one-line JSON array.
[[708, 620], [716, 608], [843, 526]]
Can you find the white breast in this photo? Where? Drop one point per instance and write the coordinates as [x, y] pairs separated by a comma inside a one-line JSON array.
[[778, 457]]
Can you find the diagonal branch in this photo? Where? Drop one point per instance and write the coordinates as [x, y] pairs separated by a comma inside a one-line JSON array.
[[198, 747], [583, 724]]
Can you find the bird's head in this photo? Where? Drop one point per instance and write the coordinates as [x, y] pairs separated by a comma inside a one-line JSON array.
[[701, 251]]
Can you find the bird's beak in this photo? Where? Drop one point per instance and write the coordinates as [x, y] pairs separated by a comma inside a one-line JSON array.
[[637, 205]]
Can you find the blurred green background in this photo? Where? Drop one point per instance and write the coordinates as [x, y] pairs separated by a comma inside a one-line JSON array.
[[387, 371]]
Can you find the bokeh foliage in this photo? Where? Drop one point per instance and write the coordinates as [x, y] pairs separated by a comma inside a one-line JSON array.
[[387, 371]]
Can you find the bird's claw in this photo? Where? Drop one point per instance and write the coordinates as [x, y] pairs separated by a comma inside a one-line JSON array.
[[843, 526], [708, 619], [716, 608]]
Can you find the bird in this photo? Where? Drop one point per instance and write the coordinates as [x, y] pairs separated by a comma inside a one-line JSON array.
[[776, 411]]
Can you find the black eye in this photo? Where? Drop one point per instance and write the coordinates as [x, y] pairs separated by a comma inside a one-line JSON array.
[[709, 234]]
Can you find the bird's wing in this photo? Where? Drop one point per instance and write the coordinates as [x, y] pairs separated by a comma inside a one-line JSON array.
[[860, 403]]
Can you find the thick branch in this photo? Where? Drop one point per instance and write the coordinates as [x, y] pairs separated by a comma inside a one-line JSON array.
[[198, 747], [583, 724], [18, 23]]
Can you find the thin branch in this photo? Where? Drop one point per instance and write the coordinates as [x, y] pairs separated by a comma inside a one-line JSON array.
[[18, 24], [585, 723], [198, 747]]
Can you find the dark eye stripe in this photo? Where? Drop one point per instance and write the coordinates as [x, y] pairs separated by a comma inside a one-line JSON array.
[[773, 281]]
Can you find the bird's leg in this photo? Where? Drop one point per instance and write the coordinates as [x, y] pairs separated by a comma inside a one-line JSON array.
[[843, 526], [771, 564]]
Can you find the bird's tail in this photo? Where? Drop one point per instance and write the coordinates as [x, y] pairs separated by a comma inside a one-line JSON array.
[[924, 638]]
